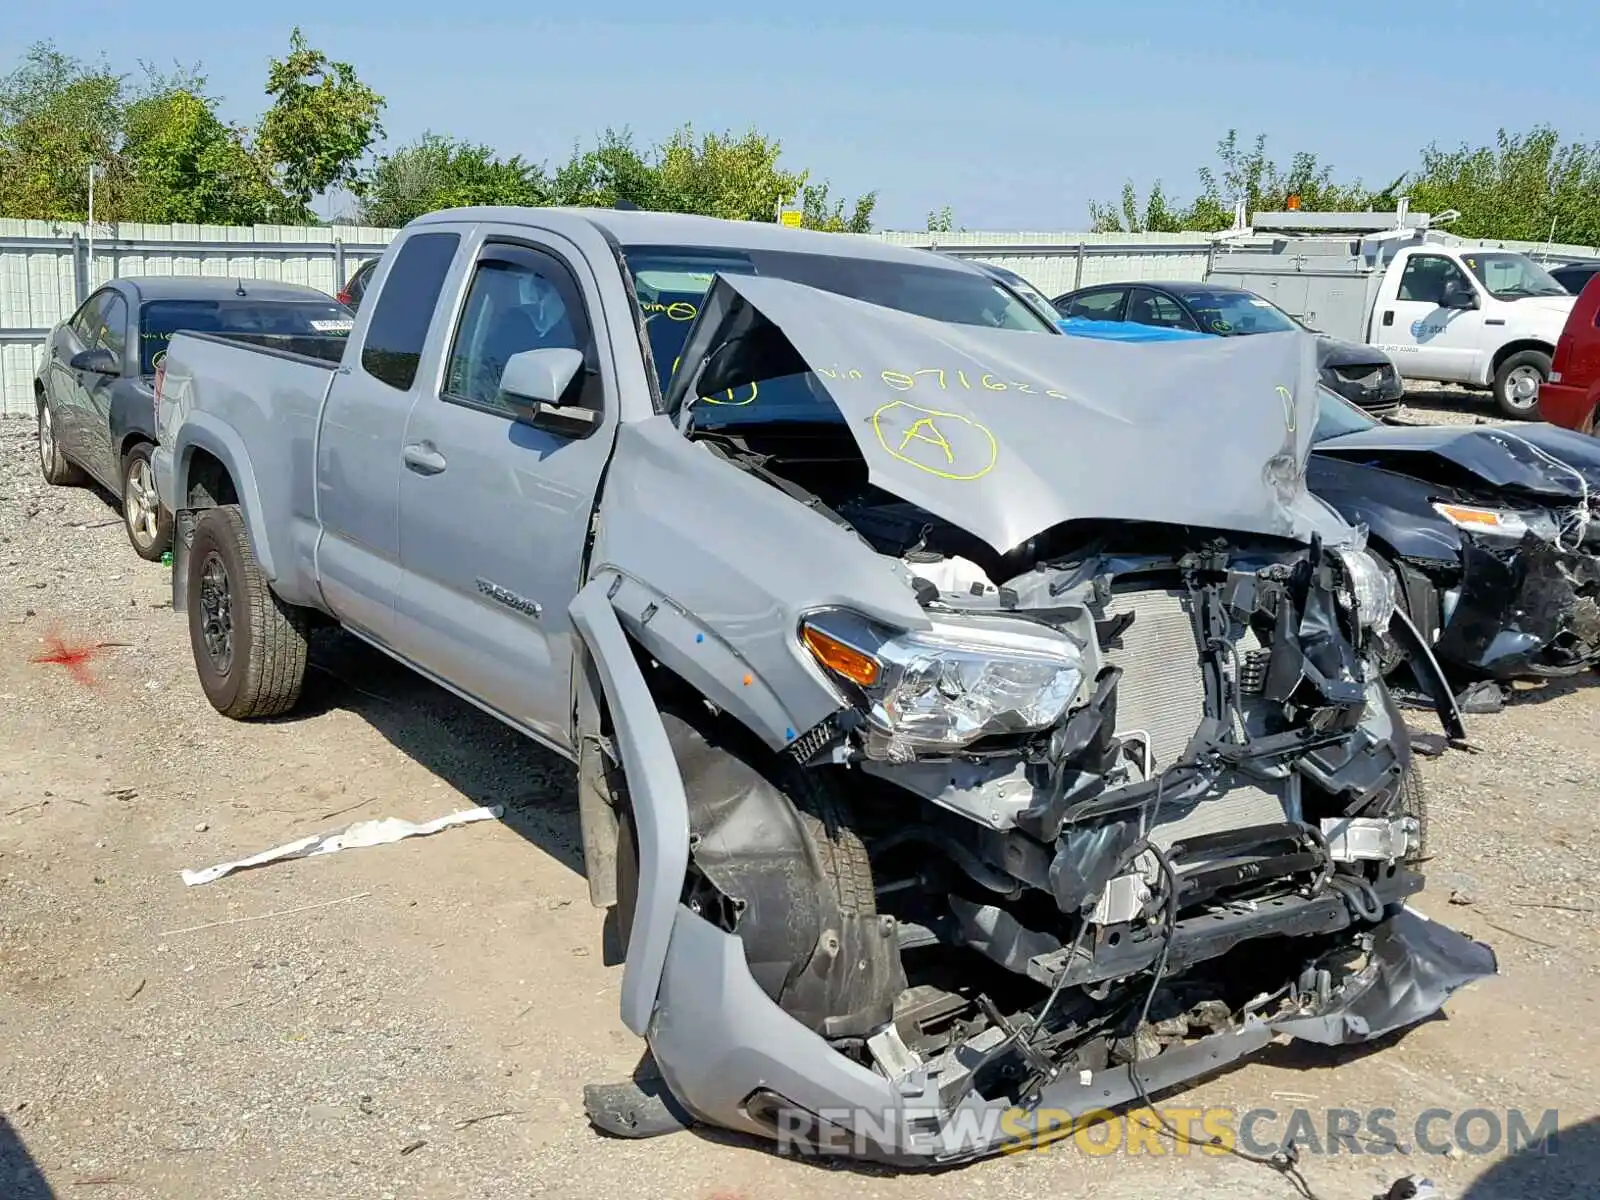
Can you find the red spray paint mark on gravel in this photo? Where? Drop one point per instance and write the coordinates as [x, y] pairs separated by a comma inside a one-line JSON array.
[[75, 658]]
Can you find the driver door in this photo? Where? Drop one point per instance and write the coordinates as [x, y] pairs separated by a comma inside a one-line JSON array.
[[495, 514], [96, 390], [62, 390], [1427, 340]]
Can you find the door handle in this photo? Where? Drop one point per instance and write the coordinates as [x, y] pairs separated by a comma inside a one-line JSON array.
[[422, 458], [1388, 317]]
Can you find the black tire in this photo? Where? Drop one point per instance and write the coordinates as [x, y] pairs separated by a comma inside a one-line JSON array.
[[54, 465], [249, 646], [1509, 397], [627, 874], [1414, 803], [145, 519], [825, 812]]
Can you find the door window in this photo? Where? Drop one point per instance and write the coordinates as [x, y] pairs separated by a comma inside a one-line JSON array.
[[519, 299], [88, 320], [113, 332], [1103, 305], [399, 328], [1425, 277], [1152, 308]]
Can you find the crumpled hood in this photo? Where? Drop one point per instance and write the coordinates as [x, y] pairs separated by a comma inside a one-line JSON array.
[[1517, 458], [1007, 433]]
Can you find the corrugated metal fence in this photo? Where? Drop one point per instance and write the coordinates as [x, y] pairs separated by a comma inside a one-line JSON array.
[[47, 268]]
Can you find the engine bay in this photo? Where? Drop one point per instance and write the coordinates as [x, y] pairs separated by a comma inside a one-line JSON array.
[[1209, 832]]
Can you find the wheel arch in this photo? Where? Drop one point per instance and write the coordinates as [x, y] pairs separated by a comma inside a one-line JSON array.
[[211, 467], [1517, 347]]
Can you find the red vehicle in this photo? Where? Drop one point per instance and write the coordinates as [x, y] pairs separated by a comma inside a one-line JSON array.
[[1568, 398]]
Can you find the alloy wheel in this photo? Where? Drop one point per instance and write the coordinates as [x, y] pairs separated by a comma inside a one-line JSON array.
[[141, 507], [47, 437], [216, 613]]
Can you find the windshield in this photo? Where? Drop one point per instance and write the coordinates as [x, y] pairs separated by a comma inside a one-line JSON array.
[[1234, 314], [1512, 276], [670, 282], [160, 319], [1336, 416]]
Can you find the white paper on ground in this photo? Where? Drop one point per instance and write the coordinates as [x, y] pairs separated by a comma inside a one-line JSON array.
[[362, 833]]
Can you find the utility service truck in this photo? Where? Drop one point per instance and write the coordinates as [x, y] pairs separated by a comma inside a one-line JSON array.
[[1443, 309]]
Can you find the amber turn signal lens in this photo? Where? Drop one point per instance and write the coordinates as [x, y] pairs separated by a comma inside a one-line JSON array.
[[842, 660], [1462, 515]]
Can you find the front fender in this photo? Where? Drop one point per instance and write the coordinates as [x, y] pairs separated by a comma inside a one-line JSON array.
[[717, 569], [655, 793], [1396, 509]]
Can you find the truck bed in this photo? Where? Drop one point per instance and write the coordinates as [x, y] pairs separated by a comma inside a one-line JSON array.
[[321, 348], [260, 395]]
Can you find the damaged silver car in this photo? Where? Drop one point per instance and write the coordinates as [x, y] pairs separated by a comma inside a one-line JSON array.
[[1090, 784], [971, 727]]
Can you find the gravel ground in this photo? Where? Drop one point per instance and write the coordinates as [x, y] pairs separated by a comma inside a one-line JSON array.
[[426, 1031], [1444, 405]]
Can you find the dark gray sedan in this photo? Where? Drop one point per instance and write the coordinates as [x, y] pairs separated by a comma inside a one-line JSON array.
[[95, 389]]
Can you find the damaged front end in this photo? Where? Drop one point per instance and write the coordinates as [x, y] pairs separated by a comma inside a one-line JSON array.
[[1492, 534], [1087, 813], [1524, 598]]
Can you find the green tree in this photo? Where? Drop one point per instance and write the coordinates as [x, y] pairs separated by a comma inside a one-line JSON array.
[[161, 151], [322, 122], [720, 175], [435, 172], [185, 164], [59, 116], [818, 211], [613, 170], [164, 154], [735, 176], [1241, 172], [942, 221], [1517, 188]]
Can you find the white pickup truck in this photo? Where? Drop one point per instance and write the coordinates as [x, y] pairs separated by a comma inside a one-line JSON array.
[[1447, 312]]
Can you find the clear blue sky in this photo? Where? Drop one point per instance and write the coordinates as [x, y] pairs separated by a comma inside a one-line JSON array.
[[1015, 114]]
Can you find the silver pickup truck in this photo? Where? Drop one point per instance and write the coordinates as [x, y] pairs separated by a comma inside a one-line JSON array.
[[972, 729]]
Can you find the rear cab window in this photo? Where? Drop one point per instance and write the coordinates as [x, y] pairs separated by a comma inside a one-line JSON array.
[[398, 328], [265, 322]]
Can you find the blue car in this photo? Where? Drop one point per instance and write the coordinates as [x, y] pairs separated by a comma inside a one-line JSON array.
[[1125, 331]]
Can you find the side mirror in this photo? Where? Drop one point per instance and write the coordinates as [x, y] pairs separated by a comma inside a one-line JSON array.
[[1458, 295], [99, 360], [535, 380]]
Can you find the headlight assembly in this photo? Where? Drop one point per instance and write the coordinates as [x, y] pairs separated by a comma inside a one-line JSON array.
[[943, 688], [1511, 524], [1369, 586]]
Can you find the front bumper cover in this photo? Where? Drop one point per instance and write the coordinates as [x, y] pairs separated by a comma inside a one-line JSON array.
[[731, 1057]]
